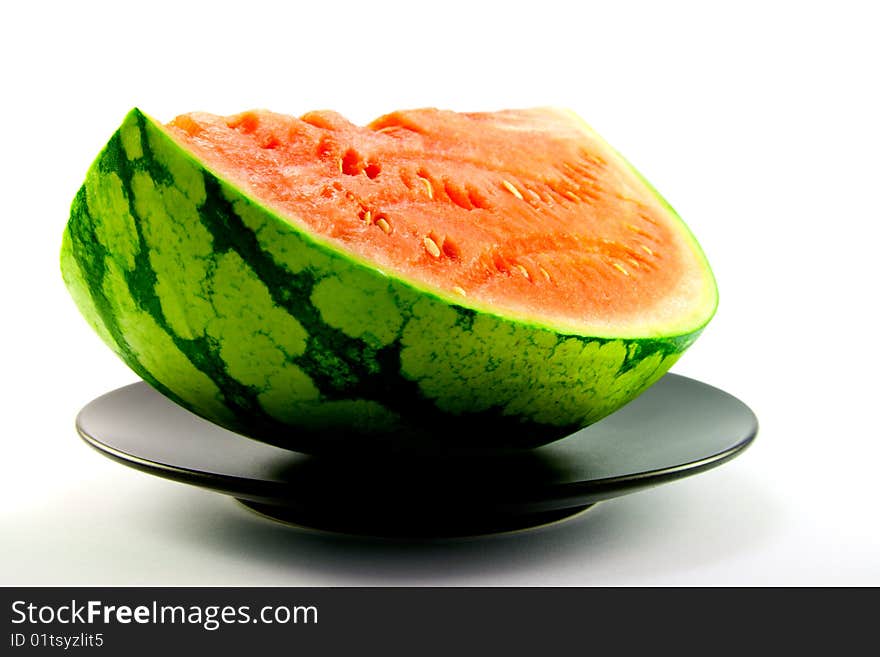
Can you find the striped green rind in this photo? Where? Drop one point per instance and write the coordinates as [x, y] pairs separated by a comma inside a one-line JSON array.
[[242, 318]]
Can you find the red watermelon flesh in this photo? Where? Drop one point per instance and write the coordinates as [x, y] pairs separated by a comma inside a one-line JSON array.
[[527, 213]]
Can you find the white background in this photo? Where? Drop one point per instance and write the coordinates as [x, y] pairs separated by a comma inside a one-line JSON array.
[[758, 121]]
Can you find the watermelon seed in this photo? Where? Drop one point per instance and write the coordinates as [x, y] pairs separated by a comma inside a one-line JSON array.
[[621, 269], [525, 272], [571, 196], [590, 192], [572, 171], [646, 250], [459, 290], [368, 217], [545, 273], [635, 229], [634, 262], [645, 216], [512, 189], [591, 158], [384, 225], [431, 247], [428, 187]]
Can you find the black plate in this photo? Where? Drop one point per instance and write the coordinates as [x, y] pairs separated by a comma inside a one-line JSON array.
[[677, 428]]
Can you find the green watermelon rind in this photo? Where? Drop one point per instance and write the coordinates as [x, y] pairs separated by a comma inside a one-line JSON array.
[[261, 327]]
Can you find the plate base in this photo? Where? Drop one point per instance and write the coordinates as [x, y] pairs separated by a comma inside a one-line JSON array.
[[414, 525], [677, 428]]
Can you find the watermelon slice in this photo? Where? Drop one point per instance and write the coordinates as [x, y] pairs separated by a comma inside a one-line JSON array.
[[484, 279]]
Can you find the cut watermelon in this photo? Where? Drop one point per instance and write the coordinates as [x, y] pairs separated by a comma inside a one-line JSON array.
[[482, 279]]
